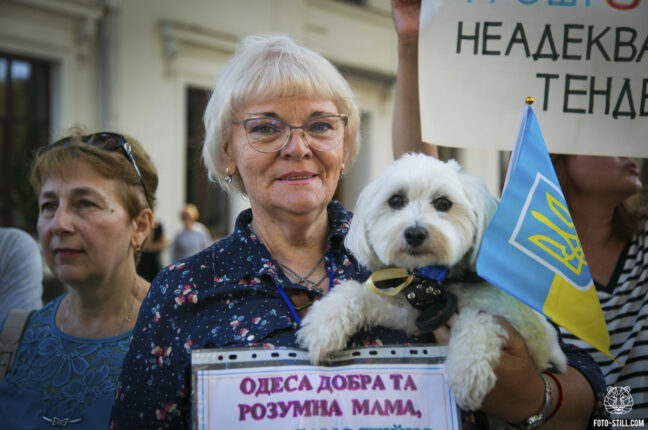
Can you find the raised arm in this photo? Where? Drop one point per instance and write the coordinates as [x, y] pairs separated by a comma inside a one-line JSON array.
[[406, 130]]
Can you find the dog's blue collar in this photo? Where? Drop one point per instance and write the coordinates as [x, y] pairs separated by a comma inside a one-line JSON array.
[[432, 273], [435, 273]]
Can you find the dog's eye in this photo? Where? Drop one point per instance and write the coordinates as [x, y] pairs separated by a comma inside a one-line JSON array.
[[397, 201], [442, 204]]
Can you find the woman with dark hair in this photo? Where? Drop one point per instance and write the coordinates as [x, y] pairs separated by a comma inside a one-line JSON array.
[[95, 195], [612, 224]]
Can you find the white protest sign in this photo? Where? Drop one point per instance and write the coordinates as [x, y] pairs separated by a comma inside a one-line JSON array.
[[585, 62], [287, 393]]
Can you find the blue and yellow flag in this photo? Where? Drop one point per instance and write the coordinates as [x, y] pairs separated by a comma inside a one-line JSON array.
[[531, 250]]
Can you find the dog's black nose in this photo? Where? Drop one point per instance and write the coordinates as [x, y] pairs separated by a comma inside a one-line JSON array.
[[415, 235]]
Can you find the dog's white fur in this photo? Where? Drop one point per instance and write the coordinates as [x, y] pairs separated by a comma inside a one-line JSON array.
[[376, 238]]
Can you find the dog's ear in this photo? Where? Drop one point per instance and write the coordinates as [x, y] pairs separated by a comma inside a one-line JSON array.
[[357, 239], [454, 164], [484, 205]]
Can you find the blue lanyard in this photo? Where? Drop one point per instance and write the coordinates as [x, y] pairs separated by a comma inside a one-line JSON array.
[[286, 299]]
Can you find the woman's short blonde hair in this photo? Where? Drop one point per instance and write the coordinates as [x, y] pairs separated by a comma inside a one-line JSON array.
[[191, 210], [54, 161], [266, 67]]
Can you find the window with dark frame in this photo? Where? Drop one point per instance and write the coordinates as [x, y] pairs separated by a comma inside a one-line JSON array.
[[24, 126], [446, 153], [212, 202]]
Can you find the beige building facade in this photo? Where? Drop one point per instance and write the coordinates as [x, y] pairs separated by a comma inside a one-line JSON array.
[[133, 65]]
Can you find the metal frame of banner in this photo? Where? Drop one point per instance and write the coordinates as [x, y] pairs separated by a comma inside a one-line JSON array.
[[233, 358], [258, 357]]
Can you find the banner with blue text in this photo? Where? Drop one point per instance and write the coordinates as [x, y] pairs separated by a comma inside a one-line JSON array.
[[367, 388], [584, 61]]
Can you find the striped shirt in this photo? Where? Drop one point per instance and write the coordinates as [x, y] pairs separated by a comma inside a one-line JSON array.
[[625, 305]]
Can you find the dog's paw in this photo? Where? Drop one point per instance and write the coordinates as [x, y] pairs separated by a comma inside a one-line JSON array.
[[557, 356], [473, 354], [333, 319], [319, 340], [559, 360], [470, 382], [325, 328]]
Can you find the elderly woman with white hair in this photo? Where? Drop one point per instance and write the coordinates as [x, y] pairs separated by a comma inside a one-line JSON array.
[[281, 127]]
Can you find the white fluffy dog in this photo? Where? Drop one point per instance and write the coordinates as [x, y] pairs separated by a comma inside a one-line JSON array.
[[420, 212]]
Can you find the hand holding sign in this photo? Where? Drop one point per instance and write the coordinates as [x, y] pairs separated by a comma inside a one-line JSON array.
[[584, 62], [406, 18]]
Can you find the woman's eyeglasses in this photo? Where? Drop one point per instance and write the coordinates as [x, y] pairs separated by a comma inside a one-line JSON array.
[[110, 142], [266, 134]]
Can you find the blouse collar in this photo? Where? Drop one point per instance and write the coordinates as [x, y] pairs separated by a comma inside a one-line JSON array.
[[338, 219]]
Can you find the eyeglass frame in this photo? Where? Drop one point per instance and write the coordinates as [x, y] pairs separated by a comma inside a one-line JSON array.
[[122, 143], [244, 122]]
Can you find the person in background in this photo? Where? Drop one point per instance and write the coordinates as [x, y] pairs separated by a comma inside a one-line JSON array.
[[602, 194], [150, 265], [21, 271], [193, 238], [95, 197], [583, 375]]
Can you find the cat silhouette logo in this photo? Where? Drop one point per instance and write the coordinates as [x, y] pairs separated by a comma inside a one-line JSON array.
[[545, 232], [618, 400]]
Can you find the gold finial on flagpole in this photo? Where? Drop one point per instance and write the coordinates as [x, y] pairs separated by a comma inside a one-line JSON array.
[[528, 100]]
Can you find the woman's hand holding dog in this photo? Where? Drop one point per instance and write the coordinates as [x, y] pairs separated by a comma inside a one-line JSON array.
[[510, 399], [519, 391], [442, 334]]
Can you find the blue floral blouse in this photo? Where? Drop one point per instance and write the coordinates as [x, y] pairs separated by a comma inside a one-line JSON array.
[[223, 297], [60, 380]]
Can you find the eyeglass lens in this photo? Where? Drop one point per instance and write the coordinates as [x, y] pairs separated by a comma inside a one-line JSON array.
[[271, 134]]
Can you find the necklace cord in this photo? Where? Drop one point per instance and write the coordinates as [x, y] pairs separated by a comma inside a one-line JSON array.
[[287, 300], [121, 324], [301, 280]]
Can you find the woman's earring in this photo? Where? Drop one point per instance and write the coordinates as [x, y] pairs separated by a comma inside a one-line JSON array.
[[228, 177], [342, 171]]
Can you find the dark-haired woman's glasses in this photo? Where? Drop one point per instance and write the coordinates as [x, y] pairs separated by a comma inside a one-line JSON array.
[[110, 142], [266, 134]]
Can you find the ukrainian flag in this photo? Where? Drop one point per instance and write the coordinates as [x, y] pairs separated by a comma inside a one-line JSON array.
[[531, 249]]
